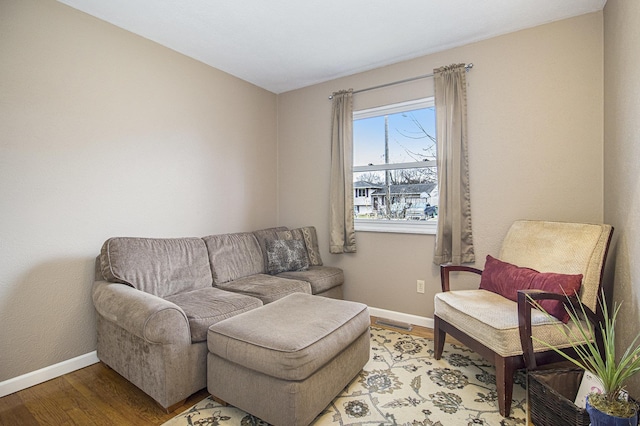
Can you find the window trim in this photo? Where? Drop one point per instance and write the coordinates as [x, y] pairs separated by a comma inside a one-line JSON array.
[[428, 227], [395, 226], [395, 166], [394, 108]]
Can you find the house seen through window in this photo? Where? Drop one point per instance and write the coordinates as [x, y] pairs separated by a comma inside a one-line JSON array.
[[394, 165]]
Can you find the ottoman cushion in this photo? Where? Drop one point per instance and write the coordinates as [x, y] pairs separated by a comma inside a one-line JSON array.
[[290, 338]]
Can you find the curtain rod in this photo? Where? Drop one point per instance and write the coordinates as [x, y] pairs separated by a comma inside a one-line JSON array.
[[406, 80]]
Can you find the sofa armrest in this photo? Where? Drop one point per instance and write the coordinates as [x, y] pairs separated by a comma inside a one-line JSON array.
[[146, 316]]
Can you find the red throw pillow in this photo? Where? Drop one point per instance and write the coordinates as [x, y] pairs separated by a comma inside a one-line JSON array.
[[506, 279], [557, 283]]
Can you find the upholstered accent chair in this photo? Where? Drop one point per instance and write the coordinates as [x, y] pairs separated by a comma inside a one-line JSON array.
[[500, 328]]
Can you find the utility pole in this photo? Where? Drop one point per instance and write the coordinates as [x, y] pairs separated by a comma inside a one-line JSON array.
[[387, 173]]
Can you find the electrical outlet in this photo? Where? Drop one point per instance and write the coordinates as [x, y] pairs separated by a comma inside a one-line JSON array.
[[420, 286]]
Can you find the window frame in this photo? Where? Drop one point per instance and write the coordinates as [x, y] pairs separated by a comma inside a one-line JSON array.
[[386, 225]]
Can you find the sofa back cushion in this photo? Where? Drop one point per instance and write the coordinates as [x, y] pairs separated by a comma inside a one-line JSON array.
[[160, 266], [234, 256]]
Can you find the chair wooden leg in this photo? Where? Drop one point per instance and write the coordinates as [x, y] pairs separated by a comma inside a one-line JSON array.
[[505, 370], [438, 338]]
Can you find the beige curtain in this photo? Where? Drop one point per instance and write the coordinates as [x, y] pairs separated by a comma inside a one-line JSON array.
[[341, 221], [454, 240]]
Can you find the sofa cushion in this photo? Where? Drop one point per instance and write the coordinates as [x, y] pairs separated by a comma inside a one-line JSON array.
[[286, 255], [506, 279], [310, 238], [207, 306], [321, 278], [267, 288], [234, 256], [159, 266]]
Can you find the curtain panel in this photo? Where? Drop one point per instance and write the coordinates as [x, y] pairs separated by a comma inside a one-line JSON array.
[[341, 219], [454, 239]]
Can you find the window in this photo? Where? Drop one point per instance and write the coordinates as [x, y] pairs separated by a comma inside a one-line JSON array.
[[394, 168], [362, 192]]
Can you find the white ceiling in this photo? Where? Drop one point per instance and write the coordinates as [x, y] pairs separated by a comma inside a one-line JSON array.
[[281, 45]]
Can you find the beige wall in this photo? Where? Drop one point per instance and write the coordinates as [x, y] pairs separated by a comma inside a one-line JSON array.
[[535, 120], [104, 133], [622, 160]]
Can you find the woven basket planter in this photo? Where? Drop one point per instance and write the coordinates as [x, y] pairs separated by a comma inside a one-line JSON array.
[[551, 397]]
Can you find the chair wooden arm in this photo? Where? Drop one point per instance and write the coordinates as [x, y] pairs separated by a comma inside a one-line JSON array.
[[525, 298], [446, 269]]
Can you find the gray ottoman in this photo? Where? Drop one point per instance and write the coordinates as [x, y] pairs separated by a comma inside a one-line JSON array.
[[286, 361]]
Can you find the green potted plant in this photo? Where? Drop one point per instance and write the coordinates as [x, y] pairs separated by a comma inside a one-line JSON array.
[[609, 407]]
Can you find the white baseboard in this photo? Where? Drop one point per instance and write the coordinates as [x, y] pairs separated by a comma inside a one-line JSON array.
[[47, 373], [399, 316]]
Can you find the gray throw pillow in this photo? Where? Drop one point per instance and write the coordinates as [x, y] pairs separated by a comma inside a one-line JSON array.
[[286, 255], [310, 238]]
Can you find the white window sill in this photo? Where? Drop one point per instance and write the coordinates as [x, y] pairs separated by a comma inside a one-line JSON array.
[[397, 226]]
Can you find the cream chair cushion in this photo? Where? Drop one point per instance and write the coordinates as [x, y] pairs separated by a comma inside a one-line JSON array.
[[496, 328]]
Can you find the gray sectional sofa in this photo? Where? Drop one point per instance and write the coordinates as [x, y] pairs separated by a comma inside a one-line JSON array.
[[156, 298]]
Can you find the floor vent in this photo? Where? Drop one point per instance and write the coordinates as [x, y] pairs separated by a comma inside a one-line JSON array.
[[393, 323]]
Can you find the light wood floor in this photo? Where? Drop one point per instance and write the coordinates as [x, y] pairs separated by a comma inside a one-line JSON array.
[[96, 395]]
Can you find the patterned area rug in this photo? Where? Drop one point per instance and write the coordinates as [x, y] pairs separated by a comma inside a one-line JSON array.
[[402, 384]]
